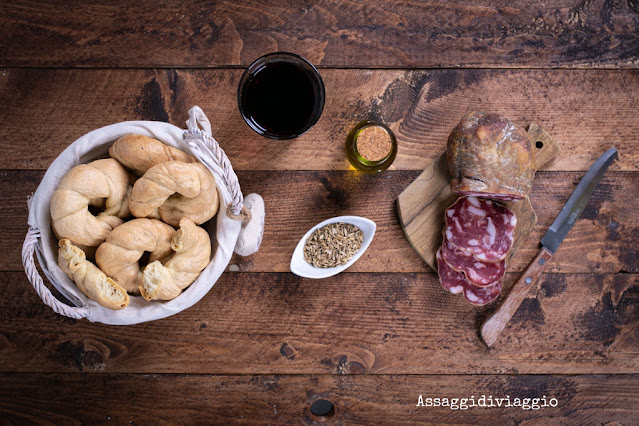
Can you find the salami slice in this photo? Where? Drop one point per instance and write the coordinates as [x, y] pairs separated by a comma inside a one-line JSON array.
[[482, 295], [477, 272], [480, 227], [451, 280], [456, 282]]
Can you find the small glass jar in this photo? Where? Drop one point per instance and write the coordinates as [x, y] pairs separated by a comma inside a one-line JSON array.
[[371, 147]]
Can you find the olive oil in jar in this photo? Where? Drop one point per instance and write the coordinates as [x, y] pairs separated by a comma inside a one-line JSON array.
[[371, 147]]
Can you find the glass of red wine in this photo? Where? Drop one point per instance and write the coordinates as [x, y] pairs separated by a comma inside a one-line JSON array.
[[281, 95]]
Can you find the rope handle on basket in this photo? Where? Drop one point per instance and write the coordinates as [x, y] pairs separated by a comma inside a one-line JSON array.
[[211, 154], [28, 250]]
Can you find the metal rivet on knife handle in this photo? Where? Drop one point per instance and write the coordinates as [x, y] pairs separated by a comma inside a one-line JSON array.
[[495, 324]]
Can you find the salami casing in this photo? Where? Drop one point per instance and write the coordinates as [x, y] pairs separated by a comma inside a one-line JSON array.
[[489, 156]]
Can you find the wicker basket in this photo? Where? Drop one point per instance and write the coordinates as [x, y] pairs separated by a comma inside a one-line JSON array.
[[239, 222]]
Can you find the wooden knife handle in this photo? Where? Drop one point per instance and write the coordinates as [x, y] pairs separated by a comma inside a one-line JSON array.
[[495, 324]]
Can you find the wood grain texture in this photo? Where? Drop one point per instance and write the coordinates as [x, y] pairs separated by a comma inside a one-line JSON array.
[[277, 323], [547, 151], [604, 240], [44, 110], [264, 344], [152, 399], [568, 33], [495, 323]]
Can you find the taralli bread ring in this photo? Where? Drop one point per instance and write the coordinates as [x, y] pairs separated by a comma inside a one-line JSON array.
[[173, 190], [89, 279], [102, 184], [89, 252], [139, 153], [192, 246], [118, 256]]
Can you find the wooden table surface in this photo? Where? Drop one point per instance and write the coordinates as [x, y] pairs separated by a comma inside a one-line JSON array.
[[264, 344]]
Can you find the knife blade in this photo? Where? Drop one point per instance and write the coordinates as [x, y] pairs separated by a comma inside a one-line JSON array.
[[577, 202], [570, 212]]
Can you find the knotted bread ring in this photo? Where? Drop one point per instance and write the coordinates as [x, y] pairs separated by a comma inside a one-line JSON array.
[[89, 279], [102, 184], [192, 246], [118, 256], [140, 153], [173, 190]]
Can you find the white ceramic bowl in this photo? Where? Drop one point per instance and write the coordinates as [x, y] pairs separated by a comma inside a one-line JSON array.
[[301, 267]]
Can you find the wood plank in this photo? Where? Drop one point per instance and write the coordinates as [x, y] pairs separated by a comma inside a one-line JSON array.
[[604, 240], [586, 112], [568, 33], [348, 324], [160, 399]]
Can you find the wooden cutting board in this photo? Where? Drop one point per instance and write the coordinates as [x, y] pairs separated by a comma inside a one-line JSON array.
[[421, 205]]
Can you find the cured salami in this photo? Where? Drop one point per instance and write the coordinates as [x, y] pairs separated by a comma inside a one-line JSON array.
[[480, 227], [489, 156], [456, 282], [482, 295], [453, 281], [500, 197], [477, 272]]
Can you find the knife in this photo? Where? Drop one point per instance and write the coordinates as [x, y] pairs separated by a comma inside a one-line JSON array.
[[495, 324]]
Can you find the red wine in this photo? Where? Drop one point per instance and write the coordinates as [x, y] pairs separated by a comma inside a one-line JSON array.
[[282, 99]]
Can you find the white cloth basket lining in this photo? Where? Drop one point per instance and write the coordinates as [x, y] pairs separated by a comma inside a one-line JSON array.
[[224, 229]]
